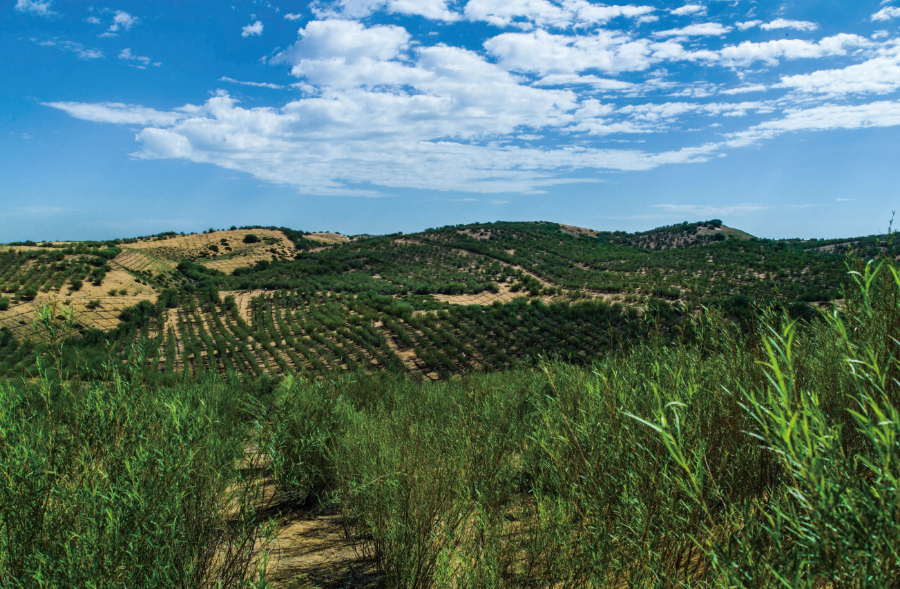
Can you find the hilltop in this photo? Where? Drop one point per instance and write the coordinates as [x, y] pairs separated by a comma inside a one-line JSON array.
[[442, 301]]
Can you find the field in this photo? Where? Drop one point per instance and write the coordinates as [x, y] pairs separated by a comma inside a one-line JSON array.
[[442, 302], [492, 405], [671, 450]]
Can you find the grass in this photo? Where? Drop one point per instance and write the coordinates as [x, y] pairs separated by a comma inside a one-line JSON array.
[[705, 453], [744, 460], [116, 484]]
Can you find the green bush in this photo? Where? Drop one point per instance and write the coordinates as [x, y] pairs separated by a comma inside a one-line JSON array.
[[117, 486], [4, 303], [251, 238], [76, 283], [745, 459]]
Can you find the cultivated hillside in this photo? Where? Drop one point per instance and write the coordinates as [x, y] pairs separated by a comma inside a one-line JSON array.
[[440, 302]]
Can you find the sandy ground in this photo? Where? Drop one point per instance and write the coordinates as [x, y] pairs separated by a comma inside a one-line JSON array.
[[233, 252], [19, 317], [329, 238]]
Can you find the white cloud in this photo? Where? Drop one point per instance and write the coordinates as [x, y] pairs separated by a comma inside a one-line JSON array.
[[127, 55], [292, 17], [697, 30], [543, 13], [122, 20], [93, 20], [39, 7], [745, 89], [254, 84], [544, 53], [687, 9], [886, 14], [117, 113], [748, 25], [780, 23], [252, 29], [770, 52], [822, 118], [430, 9], [77, 48], [879, 75]]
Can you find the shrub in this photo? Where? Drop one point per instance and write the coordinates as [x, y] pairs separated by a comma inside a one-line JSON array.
[[77, 283], [112, 292], [29, 293], [4, 303], [251, 238], [93, 304]]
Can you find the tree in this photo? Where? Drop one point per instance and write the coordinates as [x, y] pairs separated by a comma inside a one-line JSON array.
[[251, 238]]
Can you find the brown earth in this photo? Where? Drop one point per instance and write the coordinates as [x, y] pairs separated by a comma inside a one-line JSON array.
[[329, 238], [19, 316]]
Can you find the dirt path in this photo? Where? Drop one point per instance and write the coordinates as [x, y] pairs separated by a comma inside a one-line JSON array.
[[311, 550]]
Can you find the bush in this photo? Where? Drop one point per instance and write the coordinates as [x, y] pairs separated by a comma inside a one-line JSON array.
[[4, 303], [251, 238], [136, 487], [77, 283], [93, 304], [28, 294]]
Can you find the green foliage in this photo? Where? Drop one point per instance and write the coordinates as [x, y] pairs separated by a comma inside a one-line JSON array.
[[251, 238], [744, 459], [4, 303], [117, 485]]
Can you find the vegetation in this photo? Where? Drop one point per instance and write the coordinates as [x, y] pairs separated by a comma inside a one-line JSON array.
[[756, 459], [612, 414]]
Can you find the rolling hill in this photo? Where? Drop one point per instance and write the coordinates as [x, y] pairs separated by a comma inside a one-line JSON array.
[[440, 302]]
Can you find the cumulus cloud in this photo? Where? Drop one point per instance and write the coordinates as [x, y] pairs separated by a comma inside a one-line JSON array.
[[127, 55], [381, 109], [543, 13], [254, 29], [745, 89], [780, 23], [39, 7], [292, 17], [886, 14], [697, 30], [748, 25], [122, 20], [771, 52], [688, 9], [879, 75]]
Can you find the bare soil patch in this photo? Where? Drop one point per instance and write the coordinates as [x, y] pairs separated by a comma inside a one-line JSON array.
[[19, 316], [329, 238]]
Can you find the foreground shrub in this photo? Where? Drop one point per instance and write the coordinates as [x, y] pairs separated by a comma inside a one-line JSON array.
[[117, 485], [758, 459]]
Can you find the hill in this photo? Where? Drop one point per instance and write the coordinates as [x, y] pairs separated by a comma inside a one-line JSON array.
[[443, 301]]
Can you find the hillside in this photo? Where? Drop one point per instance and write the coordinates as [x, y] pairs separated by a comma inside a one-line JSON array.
[[440, 302]]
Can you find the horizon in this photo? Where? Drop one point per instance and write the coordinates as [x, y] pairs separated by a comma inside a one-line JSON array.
[[386, 116]]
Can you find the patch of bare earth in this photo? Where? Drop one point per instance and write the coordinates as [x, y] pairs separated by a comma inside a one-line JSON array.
[[104, 317], [221, 250], [329, 238], [310, 549]]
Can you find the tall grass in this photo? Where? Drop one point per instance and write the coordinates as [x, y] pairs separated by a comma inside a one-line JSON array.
[[741, 460], [117, 484]]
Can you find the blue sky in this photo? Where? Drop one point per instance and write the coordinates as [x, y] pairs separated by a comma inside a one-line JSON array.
[[130, 118]]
